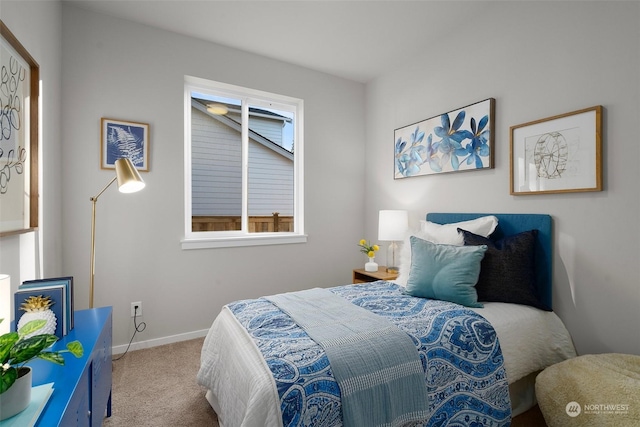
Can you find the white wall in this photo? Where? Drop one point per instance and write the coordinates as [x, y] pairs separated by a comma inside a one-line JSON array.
[[537, 59], [118, 69], [38, 26]]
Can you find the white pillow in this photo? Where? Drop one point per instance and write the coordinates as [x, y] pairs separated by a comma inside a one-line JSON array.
[[446, 234]]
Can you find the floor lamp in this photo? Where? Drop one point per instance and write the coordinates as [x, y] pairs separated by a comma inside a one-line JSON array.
[[129, 181]]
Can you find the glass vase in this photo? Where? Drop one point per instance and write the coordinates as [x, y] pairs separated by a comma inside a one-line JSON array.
[[371, 265]]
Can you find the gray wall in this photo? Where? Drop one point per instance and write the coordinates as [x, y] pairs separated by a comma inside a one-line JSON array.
[[38, 27], [118, 69], [537, 59]]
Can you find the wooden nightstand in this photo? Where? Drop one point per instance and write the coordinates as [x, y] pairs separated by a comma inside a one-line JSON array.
[[361, 276]]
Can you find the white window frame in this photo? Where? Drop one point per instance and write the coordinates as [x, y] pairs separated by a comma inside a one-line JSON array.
[[218, 239]]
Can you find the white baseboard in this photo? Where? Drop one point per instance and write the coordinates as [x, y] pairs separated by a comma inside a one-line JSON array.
[[119, 349]]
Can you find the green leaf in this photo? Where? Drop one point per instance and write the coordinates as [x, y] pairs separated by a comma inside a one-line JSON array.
[[75, 347], [7, 378], [31, 327], [29, 348], [52, 357], [6, 343]]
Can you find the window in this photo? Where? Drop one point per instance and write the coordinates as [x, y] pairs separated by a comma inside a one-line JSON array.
[[243, 166]]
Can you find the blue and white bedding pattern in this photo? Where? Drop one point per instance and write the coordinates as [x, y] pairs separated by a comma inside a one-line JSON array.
[[459, 350]]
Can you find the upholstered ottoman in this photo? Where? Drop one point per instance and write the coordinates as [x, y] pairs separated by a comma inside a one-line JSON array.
[[595, 390]]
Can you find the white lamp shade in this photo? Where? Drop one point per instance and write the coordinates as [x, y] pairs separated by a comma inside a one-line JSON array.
[[392, 225], [5, 303]]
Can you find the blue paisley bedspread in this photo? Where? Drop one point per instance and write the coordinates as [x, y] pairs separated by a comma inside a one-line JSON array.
[[459, 350]]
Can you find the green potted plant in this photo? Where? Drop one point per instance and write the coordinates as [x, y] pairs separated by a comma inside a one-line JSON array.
[[18, 348]]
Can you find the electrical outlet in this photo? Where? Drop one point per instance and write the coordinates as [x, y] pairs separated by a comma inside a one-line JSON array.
[[136, 306]]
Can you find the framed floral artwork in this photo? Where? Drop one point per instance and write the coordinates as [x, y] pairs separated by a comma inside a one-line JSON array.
[[120, 138], [558, 154], [19, 93], [459, 140]]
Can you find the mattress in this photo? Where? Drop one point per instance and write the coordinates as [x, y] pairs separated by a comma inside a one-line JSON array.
[[243, 392]]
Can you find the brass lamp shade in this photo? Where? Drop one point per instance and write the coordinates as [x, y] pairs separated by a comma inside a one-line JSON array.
[[129, 180]]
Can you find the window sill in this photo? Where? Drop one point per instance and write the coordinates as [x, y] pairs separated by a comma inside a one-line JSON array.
[[239, 241]]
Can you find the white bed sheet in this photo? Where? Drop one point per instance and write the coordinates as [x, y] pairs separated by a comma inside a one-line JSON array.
[[530, 339], [242, 390]]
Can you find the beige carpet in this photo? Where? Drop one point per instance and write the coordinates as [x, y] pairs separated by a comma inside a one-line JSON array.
[[157, 387]]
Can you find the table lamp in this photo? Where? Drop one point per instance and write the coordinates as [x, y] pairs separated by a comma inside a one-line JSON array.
[[129, 181], [392, 226]]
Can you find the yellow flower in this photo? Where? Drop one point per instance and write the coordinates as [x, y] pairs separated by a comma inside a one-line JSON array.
[[368, 248]]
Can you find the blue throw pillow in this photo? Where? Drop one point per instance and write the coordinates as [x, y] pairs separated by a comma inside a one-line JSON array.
[[507, 271], [444, 272]]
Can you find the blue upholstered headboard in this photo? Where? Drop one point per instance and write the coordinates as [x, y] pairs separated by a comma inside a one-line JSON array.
[[509, 224]]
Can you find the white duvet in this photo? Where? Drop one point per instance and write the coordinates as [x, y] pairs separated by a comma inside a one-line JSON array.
[[242, 390]]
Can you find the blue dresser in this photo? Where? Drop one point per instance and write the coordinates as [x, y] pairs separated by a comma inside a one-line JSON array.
[[82, 388]]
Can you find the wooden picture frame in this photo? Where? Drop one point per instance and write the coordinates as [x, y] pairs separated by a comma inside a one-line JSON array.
[[558, 154], [19, 98], [455, 141], [121, 138]]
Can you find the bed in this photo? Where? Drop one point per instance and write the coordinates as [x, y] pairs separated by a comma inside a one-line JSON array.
[[478, 359]]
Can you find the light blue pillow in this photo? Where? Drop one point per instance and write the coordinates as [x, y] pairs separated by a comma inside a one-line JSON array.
[[445, 272]]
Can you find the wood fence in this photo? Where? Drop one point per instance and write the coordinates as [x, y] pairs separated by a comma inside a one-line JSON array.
[[257, 224]]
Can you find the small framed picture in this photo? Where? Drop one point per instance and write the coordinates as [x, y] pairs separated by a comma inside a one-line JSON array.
[[120, 139], [558, 154]]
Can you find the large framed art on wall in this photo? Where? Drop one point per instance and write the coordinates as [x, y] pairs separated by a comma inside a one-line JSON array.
[[19, 92], [459, 140]]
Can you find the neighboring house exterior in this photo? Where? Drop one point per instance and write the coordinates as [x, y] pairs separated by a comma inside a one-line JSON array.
[[217, 171]]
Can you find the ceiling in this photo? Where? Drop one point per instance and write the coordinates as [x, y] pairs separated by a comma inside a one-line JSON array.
[[353, 39]]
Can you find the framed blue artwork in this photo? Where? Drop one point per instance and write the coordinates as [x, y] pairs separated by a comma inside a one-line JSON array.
[[120, 139], [459, 140]]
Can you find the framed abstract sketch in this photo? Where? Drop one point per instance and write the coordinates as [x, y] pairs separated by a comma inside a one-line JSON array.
[[459, 140], [19, 92], [119, 139], [559, 154]]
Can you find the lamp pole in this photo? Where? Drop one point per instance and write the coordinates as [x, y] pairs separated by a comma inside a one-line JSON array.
[[94, 200]]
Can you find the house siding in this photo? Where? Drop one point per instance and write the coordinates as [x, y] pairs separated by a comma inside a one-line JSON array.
[[217, 173]]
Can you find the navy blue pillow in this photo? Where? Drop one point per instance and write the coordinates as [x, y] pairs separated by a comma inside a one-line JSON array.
[[507, 271]]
